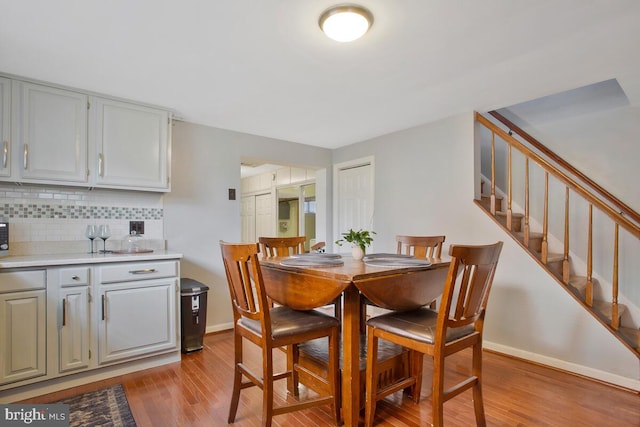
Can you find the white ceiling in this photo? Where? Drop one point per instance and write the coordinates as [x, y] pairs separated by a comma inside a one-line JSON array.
[[263, 66]]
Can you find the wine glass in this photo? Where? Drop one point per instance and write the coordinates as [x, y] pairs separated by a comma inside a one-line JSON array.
[[91, 233], [104, 233]]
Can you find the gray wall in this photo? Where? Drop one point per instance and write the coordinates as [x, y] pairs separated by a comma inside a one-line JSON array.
[[424, 184], [198, 214]]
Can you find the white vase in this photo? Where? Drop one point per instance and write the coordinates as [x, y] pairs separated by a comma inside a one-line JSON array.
[[357, 253]]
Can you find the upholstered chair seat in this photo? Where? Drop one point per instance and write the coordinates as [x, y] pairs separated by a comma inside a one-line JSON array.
[[285, 322], [418, 325]]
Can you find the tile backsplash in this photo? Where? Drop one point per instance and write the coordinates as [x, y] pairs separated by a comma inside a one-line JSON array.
[[45, 219]]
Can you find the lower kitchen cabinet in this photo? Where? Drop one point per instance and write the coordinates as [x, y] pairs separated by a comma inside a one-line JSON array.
[[74, 328], [138, 309], [73, 320], [65, 323], [137, 318], [22, 335]]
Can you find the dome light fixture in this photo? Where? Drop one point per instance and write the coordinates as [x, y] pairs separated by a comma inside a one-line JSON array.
[[345, 22]]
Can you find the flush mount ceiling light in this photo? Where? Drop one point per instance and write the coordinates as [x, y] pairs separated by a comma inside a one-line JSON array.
[[345, 22]]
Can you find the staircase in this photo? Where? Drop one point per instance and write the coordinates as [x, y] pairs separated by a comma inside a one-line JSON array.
[[499, 205]]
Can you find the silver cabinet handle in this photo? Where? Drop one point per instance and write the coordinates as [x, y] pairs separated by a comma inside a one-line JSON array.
[[145, 271], [25, 156], [64, 311], [104, 304], [5, 154], [100, 165]]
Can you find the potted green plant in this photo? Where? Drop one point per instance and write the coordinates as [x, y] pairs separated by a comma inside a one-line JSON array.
[[359, 240]]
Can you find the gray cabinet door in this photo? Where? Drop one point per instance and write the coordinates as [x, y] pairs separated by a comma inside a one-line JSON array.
[[131, 145], [50, 134]]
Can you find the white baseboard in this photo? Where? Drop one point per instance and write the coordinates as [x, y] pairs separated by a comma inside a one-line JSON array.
[[629, 383], [219, 327]]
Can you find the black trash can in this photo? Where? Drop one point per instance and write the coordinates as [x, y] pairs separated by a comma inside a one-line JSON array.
[[194, 314]]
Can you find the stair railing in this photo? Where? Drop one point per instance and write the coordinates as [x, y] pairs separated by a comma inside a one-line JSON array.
[[618, 217], [622, 207], [621, 215]]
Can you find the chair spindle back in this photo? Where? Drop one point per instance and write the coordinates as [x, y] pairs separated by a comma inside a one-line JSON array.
[[281, 246], [420, 246]]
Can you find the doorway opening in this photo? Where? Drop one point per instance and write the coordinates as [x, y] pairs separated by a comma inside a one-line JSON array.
[[297, 212], [281, 202]]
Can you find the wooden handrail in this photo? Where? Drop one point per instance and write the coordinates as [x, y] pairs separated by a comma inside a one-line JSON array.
[[616, 216], [624, 209]]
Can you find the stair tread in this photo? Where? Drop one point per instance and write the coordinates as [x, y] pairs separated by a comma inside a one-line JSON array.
[[605, 308], [513, 214], [554, 257], [576, 284], [532, 234], [578, 281]]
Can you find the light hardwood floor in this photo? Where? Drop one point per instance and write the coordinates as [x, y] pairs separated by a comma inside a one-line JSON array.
[[195, 392]]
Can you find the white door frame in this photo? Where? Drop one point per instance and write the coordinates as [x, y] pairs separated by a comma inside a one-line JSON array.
[[364, 161]]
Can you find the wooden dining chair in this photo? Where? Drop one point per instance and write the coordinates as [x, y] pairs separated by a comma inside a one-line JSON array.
[[286, 246], [417, 246], [456, 325], [270, 328], [281, 246], [318, 247], [420, 246]]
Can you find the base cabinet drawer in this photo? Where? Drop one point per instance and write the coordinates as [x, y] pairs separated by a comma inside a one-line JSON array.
[[138, 271], [23, 280], [22, 335], [74, 276]]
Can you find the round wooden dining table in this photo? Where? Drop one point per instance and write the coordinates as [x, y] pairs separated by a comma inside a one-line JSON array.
[[395, 286]]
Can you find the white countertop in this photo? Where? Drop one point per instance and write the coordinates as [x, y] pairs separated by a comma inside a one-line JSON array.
[[46, 260]]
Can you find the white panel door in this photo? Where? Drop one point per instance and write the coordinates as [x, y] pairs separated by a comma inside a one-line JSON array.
[[354, 198], [74, 328], [137, 318], [265, 224], [248, 219], [51, 133], [22, 335]]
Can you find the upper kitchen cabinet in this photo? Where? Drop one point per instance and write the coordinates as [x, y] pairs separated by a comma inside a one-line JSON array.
[[63, 136], [131, 144], [49, 130], [5, 127]]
